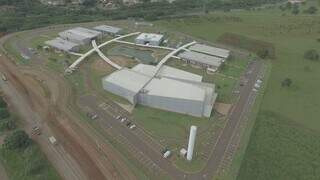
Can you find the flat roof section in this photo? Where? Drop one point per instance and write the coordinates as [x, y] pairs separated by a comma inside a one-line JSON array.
[[223, 53], [128, 79], [201, 58], [166, 87], [167, 71], [73, 36], [86, 32], [108, 29], [150, 37], [62, 44]]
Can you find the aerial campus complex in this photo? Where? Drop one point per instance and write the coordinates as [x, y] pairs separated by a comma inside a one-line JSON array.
[[159, 86], [150, 91]]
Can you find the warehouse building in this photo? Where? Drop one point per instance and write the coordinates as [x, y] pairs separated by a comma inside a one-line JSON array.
[[172, 89], [80, 35], [212, 63], [209, 50], [63, 45], [149, 38], [110, 30]]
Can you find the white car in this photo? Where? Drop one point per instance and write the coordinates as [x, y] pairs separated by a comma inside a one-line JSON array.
[[123, 120], [132, 126]]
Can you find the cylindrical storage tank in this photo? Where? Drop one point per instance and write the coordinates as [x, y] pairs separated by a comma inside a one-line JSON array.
[[192, 139]]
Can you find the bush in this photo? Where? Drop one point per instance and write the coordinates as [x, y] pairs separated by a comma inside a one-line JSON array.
[[7, 124], [3, 104], [312, 55], [311, 10], [17, 140], [4, 113], [286, 82]]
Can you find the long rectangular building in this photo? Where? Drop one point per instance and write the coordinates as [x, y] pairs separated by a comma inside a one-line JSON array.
[[200, 59], [63, 45], [172, 89], [209, 50]]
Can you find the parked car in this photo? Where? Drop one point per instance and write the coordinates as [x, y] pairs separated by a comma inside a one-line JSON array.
[[133, 126], [36, 130], [129, 124], [123, 119]]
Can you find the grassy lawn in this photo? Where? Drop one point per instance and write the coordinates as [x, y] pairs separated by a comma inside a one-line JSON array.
[[29, 164], [286, 134], [225, 79]]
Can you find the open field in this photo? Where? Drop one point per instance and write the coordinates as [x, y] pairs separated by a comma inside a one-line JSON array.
[[288, 117], [30, 164]]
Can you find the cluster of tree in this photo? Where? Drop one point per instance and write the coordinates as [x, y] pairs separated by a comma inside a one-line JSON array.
[[286, 82], [312, 55], [6, 122], [294, 8], [17, 140], [28, 14]]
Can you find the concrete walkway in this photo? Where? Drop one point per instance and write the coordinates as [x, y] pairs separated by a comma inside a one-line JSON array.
[[94, 44], [146, 46], [74, 65]]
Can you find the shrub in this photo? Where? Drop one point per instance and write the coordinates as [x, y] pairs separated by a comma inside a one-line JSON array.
[[7, 124], [3, 104], [4, 113], [312, 55], [17, 140], [286, 82], [311, 10]]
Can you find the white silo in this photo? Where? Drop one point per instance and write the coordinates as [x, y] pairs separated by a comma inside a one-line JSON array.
[[192, 139]]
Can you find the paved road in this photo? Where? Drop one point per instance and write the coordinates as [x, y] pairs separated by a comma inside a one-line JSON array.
[[66, 166]]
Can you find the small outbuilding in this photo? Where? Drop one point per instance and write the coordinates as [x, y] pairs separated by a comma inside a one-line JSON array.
[[149, 38]]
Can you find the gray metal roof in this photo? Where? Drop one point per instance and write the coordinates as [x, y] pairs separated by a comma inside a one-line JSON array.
[[62, 44], [171, 88], [201, 58], [80, 34], [108, 29], [167, 71], [128, 79], [223, 53]]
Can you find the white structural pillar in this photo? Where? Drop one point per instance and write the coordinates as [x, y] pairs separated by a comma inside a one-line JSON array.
[[192, 139]]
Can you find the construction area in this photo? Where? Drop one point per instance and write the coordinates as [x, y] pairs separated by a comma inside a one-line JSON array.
[[124, 102]]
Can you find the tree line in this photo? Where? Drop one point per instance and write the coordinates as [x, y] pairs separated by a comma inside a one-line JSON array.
[[28, 14]]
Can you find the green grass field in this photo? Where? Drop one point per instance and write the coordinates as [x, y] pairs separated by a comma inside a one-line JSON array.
[[28, 164], [286, 134]]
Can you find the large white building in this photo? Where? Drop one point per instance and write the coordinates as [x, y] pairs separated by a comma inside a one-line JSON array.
[[80, 35], [63, 45], [171, 89], [149, 38]]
